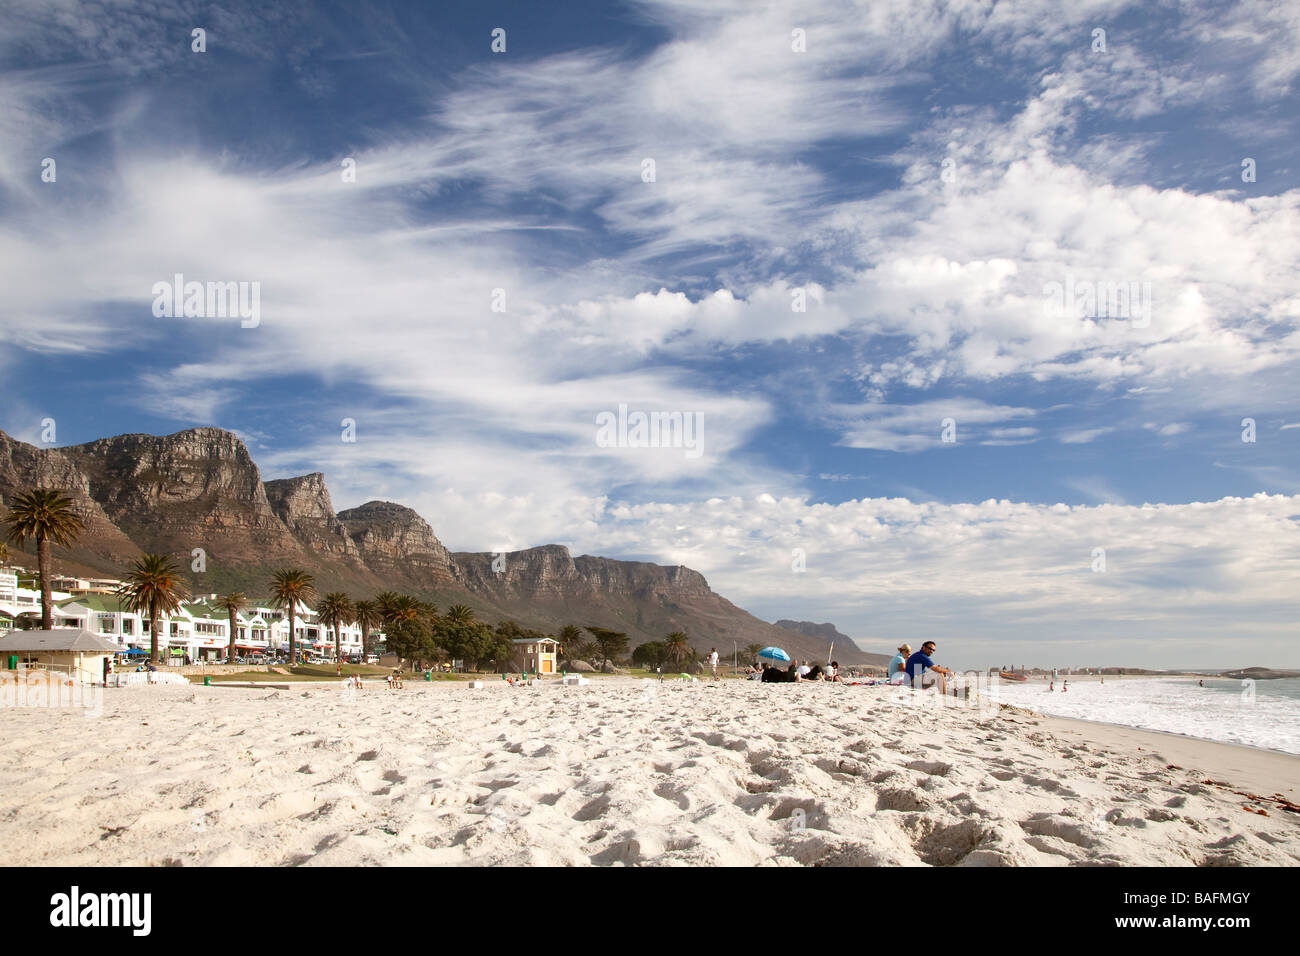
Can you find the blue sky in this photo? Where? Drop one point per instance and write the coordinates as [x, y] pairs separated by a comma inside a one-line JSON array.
[[921, 172]]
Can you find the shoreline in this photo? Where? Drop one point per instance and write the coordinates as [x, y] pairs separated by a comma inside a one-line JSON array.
[[1260, 770]]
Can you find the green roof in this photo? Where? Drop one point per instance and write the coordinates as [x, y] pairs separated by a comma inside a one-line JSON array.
[[96, 602]]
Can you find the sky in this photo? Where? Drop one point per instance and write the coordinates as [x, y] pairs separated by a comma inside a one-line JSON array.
[[871, 253]]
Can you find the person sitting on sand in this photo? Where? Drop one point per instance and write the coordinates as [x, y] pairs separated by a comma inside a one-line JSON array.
[[898, 665], [919, 663], [833, 673]]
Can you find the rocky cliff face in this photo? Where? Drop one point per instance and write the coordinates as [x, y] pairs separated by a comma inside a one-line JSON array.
[[394, 540], [551, 571], [24, 466], [194, 489], [201, 489], [304, 505]]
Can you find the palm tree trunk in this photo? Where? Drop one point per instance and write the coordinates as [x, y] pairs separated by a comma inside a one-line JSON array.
[[293, 656], [154, 624], [338, 654], [47, 592], [231, 653]]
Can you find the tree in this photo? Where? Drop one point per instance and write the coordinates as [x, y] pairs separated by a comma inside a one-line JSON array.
[[753, 649], [409, 626], [650, 655], [335, 610], [610, 643], [571, 642], [367, 616], [233, 604], [4, 554], [292, 587], [462, 635], [678, 646], [153, 587], [44, 515]]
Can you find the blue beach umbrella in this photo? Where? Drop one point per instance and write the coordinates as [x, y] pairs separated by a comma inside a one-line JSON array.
[[774, 654]]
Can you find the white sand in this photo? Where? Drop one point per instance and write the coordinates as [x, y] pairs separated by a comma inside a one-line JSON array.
[[619, 771]]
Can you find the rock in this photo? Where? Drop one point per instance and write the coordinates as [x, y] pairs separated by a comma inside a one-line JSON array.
[[581, 667], [393, 539], [303, 503], [608, 668]]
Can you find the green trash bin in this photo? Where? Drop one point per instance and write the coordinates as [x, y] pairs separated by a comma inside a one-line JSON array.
[[428, 675], [207, 681], [13, 662]]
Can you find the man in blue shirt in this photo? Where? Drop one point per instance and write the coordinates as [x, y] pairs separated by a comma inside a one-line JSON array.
[[919, 663]]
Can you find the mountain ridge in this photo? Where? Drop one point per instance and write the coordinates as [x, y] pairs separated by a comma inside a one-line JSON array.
[[199, 491]]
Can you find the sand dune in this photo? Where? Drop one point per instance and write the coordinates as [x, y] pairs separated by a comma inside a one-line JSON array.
[[617, 772]]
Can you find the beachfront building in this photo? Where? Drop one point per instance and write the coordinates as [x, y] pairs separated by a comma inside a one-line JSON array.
[[79, 586], [537, 655], [16, 601], [199, 631], [71, 652]]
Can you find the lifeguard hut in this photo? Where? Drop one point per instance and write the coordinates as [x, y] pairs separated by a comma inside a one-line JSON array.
[[539, 655]]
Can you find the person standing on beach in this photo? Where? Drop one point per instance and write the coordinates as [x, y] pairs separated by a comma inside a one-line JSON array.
[[713, 662]]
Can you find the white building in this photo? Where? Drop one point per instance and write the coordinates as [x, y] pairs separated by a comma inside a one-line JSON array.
[[15, 601]]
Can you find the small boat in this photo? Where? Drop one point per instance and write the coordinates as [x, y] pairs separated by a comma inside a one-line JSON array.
[[1018, 678]]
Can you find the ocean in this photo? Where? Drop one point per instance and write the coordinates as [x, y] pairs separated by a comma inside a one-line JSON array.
[[1262, 713]]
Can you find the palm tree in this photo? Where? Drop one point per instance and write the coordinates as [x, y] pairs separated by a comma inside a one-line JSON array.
[[678, 646], [570, 637], [4, 554], [233, 604], [367, 616], [753, 649], [386, 601], [45, 515], [336, 609], [154, 587], [460, 614], [292, 587]]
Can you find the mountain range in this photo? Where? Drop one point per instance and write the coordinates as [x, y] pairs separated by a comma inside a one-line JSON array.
[[200, 489]]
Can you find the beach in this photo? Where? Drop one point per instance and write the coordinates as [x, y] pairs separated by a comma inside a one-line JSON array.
[[621, 771]]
